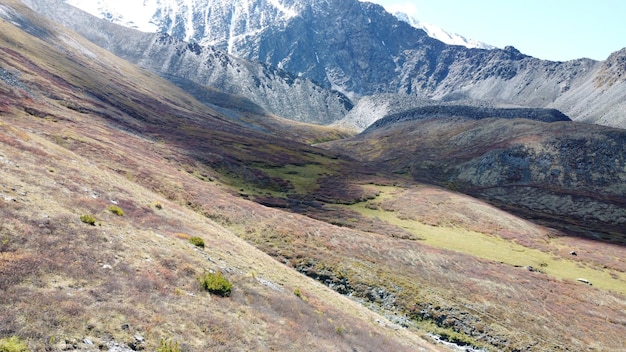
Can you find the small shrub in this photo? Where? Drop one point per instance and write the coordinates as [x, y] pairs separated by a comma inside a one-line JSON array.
[[116, 210], [88, 219], [197, 241], [158, 205], [168, 346], [13, 344], [216, 284], [300, 295]]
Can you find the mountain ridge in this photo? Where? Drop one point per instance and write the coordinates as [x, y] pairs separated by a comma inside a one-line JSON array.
[[442, 34], [545, 168], [469, 112], [359, 49], [277, 91]]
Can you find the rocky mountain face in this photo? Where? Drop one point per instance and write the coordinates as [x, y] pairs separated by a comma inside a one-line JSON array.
[[277, 91], [360, 49], [442, 34], [598, 97], [192, 65]]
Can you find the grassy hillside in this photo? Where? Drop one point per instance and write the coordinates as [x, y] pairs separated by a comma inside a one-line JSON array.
[[345, 256], [565, 175], [82, 131]]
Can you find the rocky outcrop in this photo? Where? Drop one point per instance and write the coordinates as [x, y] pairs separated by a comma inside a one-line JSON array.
[[277, 91], [598, 97], [613, 70]]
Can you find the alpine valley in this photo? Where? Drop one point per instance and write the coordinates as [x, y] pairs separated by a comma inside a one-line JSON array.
[[288, 175]]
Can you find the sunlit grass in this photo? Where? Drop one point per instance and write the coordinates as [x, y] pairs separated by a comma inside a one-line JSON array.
[[493, 247]]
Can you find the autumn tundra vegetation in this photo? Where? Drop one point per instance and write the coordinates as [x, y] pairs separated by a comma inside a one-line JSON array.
[[167, 225]]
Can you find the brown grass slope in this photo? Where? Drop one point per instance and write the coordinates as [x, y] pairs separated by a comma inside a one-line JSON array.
[[82, 130], [77, 135]]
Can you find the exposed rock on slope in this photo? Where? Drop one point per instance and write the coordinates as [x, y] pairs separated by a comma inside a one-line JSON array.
[[560, 172], [442, 34], [359, 49], [382, 109], [613, 70], [277, 91], [599, 96], [372, 108]]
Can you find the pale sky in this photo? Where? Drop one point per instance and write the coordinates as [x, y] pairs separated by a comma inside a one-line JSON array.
[[557, 30]]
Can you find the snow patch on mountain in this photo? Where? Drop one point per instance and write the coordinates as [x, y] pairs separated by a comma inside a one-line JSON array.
[[287, 11], [442, 35], [138, 14], [190, 18]]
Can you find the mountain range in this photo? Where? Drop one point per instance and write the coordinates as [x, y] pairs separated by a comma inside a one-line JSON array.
[[359, 49], [360, 185]]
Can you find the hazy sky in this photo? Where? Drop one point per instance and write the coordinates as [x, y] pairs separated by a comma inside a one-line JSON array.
[[548, 29]]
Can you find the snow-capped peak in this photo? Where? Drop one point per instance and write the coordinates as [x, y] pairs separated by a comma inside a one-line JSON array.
[[204, 21], [442, 35]]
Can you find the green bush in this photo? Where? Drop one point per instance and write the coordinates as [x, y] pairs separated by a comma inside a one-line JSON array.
[[13, 344], [88, 219], [116, 210], [216, 284], [168, 346], [197, 241]]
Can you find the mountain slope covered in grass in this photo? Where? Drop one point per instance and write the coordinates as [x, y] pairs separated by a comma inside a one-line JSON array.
[[107, 172], [535, 162], [82, 131]]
